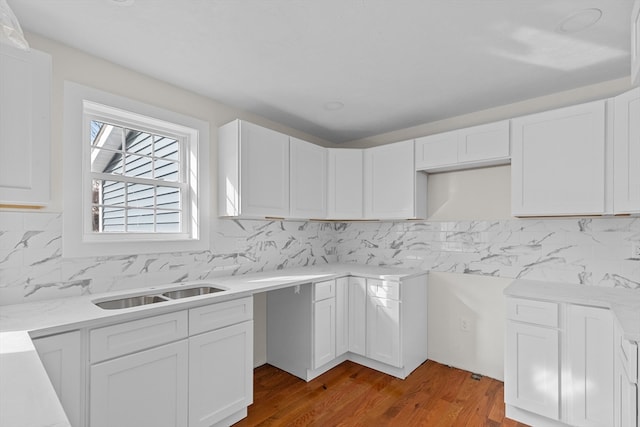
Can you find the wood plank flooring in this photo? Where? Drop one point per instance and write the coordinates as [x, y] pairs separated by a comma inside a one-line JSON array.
[[434, 395]]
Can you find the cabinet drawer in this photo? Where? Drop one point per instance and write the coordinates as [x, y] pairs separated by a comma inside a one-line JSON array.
[[383, 289], [324, 290], [124, 338], [629, 357], [531, 311], [219, 315]]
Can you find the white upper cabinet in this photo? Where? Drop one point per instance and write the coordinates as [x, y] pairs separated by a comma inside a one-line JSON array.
[[345, 183], [626, 152], [476, 146], [558, 162], [437, 151], [308, 180], [392, 188], [25, 126], [635, 43], [253, 171], [484, 143]]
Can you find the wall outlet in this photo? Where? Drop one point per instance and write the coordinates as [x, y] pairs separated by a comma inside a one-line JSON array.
[[465, 324], [635, 250]]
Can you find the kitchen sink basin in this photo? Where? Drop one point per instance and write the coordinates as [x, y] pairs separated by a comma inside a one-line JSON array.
[[115, 304], [137, 300], [191, 292]]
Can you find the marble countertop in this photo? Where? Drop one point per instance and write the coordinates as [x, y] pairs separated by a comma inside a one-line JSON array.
[[24, 383], [624, 303]]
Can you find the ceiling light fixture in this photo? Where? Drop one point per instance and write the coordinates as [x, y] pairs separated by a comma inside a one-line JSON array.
[[334, 106], [579, 21], [123, 2]]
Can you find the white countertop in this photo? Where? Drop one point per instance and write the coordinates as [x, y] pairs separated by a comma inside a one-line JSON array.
[[24, 384], [624, 303]]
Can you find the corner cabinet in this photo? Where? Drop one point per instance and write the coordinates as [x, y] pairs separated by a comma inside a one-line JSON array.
[[377, 323], [25, 126], [253, 171], [308, 180], [345, 183], [558, 162], [392, 187]]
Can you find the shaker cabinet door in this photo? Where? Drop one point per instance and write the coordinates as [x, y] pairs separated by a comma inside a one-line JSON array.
[[532, 369], [308, 180], [220, 374], [626, 153], [558, 162], [25, 126], [148, 388]]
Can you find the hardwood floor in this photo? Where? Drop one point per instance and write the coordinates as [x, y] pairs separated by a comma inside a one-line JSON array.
[[352, 395]]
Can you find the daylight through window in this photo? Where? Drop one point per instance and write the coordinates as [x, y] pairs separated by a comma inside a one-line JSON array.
[[138, 179]]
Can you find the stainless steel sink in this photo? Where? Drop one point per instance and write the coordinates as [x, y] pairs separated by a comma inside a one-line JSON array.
[[191, 292], [130, 302]]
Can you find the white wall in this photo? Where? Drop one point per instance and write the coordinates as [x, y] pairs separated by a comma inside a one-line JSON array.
[[476, 194], [479, 301], [529, 106], [80, 67]]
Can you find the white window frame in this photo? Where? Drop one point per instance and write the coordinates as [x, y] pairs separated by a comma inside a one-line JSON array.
[[81, 105]]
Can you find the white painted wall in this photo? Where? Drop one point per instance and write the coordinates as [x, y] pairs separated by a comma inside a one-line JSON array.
[[80, 67], [476, 194], [530, 106], [479, 300]]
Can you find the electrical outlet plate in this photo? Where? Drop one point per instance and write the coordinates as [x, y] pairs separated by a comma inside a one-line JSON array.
[[465, 324], [635, 250]]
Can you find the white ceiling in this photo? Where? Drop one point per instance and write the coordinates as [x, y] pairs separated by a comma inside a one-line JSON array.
[[392, 63]]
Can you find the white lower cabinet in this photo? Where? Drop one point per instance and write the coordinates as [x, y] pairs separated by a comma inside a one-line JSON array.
[[61, 356], [342, 315], [559, 364], [383, 330], [626, 381], [220, 374], [590, 364], [532, 368], [187, 368], [145, 388], [324, 331], [357, 315], [377, 323]]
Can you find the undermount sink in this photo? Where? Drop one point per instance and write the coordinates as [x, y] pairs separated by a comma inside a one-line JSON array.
[[135, 301], [115, 304], [191, 292]]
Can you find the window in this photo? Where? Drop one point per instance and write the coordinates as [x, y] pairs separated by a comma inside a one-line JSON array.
[[138, 184], [140, 177]]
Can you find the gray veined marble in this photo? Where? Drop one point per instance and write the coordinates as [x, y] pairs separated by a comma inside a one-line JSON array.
[[588, 251]]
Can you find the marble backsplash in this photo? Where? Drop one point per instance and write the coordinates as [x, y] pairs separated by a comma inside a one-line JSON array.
[[32, 267], [591, 251]]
